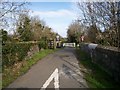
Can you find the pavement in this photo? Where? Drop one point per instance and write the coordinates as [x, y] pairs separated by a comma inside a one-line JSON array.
[[57, 70]]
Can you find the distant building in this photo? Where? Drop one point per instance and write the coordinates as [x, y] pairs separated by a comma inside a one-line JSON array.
[[58, 41], [55, 43]]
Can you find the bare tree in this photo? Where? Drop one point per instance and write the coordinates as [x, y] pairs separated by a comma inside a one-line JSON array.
[[37, 27], [75, 30], [9, 11], [103, 16]]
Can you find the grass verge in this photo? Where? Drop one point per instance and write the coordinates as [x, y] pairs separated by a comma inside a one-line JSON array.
[[11, 73], [95, 76]]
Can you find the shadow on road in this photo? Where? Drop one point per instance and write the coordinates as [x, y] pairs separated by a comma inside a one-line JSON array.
[[72, 74]]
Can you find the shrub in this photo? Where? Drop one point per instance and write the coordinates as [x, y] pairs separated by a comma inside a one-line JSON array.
[[14, 52], [43, 43]]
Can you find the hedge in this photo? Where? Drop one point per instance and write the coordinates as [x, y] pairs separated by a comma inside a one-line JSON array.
[[14, 52]]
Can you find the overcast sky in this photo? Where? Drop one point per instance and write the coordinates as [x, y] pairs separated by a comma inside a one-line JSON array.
[[57, 15]]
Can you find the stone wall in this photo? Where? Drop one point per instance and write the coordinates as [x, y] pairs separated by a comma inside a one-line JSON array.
[[107, 58], [34, 49]]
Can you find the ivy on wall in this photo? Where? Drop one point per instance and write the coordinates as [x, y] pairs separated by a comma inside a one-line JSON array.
[[14, 52]]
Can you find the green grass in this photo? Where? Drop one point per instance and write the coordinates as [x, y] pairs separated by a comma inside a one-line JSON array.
[[11, 73], [96, 77]]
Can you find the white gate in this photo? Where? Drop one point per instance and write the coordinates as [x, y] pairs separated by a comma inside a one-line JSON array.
[[68, 44]]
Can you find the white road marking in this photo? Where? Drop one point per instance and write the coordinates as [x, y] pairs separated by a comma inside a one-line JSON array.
[[54, 76]]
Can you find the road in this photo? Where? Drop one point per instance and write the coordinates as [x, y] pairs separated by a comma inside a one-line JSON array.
[[57, 70]]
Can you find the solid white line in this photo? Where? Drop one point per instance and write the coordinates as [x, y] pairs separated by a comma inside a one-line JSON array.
[[56, 79], [54, 76]]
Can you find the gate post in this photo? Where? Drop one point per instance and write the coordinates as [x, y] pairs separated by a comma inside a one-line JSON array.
[[54, 44]]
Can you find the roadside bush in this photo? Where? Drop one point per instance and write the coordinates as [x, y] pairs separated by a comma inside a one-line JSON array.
[[43, 43], [14, 52]]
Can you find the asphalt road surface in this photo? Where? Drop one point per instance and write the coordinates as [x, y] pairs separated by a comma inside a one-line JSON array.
[[57, 70]]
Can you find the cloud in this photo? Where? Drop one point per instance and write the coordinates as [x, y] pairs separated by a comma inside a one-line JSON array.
[[53, 14], [58, 20]]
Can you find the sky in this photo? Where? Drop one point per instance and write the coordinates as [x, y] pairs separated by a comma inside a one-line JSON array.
[[57, 15]]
